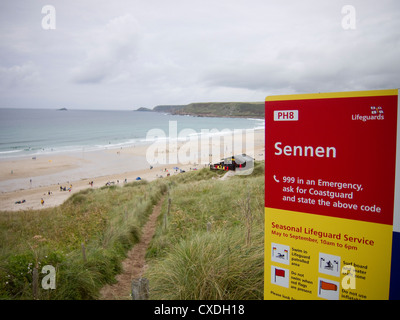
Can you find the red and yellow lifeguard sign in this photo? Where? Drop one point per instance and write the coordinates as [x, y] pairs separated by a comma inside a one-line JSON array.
[[330, 168]]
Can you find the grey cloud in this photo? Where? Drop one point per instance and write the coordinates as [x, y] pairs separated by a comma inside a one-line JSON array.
[[26, 74], [110, 52], [143, 53]]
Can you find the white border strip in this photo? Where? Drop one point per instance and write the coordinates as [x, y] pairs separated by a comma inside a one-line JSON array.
[[396, 216]]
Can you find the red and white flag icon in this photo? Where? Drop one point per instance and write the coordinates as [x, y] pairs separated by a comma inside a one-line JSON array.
[[323, 285], [279, 273]]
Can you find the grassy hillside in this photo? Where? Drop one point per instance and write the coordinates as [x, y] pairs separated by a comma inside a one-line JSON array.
[[217, 109], [211, 246], [224, 109], [108, 221], [168, 108]]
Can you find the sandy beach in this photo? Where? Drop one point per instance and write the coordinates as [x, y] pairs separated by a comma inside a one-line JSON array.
[[24, 182]]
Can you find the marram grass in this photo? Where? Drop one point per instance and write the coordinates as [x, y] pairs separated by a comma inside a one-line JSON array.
[[107, 221], [211, 244], [209, 266], [185, 260]]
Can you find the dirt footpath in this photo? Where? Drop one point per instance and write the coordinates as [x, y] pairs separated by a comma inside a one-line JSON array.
[[135, 264]]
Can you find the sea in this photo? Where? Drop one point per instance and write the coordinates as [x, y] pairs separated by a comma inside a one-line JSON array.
[[34, 132]]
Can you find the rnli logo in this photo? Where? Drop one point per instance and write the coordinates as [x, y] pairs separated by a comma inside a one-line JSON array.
[[376, 113]]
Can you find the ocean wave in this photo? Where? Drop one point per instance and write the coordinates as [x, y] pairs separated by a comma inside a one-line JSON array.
[[10, 151]]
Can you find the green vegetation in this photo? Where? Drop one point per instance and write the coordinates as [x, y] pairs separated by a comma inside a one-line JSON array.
[[186, 261], [217, 109], [168, 108], [108, 221]]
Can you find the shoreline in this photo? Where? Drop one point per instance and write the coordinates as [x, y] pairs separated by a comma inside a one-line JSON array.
[[31, 180]]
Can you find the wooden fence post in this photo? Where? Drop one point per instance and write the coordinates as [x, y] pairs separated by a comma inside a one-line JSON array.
[[35, 283], [249, 220], [83, 252], [140, 289], [167, 214], [169, 204]]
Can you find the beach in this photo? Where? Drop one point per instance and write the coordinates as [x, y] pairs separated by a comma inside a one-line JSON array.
[[25, 182]]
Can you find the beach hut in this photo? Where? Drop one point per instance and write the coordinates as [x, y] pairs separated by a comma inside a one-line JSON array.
[[239, 162], [244, 162]]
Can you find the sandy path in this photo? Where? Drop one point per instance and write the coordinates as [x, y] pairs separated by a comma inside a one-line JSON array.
[[135, 264]]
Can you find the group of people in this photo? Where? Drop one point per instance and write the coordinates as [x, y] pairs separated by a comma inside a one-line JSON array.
[[65, 188], [109, 183]]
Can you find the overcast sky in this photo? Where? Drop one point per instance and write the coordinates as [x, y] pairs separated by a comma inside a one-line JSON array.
[[130, 54]]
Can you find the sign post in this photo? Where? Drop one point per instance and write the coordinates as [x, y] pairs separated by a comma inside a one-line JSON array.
[[331, 215]]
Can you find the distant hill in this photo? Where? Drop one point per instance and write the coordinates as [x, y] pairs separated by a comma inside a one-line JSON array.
[[144, 109], [168, 108], [217, 109]]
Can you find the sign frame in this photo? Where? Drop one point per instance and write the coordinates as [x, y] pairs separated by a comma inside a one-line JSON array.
[[349, 239]]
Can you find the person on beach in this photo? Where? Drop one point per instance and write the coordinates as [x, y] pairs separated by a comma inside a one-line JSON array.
[[42, 201]]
